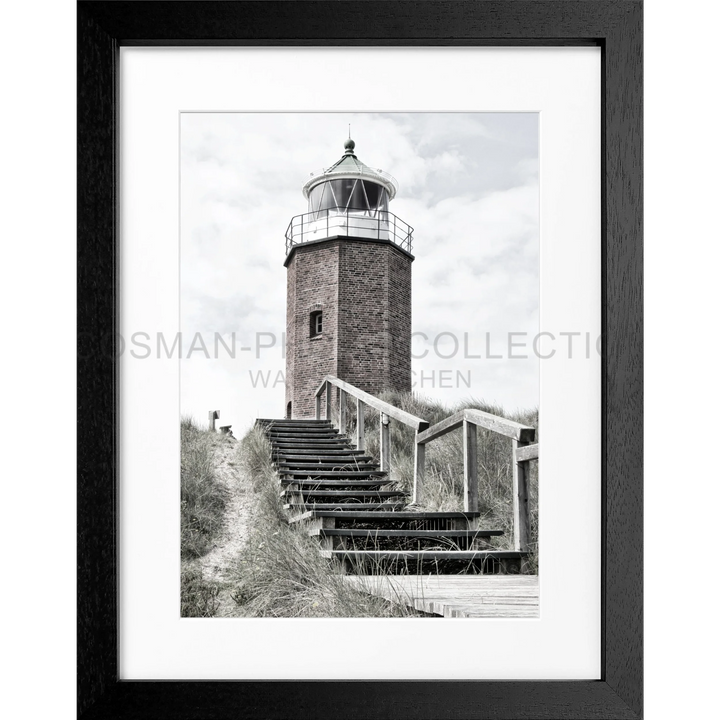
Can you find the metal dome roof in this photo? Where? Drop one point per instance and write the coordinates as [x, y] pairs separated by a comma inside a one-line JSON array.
[[350, 166]]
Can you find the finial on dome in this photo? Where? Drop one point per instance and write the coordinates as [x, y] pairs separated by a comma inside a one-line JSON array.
[[349, 146]]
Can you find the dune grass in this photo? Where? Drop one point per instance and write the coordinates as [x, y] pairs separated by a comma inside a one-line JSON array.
[[202, 506], [280, 572], [202, 497], [198, 596]]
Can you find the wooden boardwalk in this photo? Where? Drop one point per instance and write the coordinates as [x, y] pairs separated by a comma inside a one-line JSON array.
[[457, 596]]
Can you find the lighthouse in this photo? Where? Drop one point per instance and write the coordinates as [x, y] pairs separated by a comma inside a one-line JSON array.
[[349, 285]]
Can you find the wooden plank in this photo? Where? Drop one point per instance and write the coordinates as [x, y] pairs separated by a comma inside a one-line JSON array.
[[521, 506], [457, 596], [463, 555], [339, 507], [519, 596], [349, 532], [313, 450], [500, 425], [377, 483], [331, 436], [495, 423], [419, 473], [525, 453], [372, 401], [347, 475], [399, 515], [343, 412], [471, 494], [284, 422], [360, 425], [349, 494], [384, 443], [442, 428], [439, 583], [287, 467]]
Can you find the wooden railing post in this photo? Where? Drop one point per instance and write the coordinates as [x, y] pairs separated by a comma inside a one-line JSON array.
[[419, 474], [343, 412], [318, 406], [328, 401], [470, 466], [384, 443], [360, 425], [521, 507]]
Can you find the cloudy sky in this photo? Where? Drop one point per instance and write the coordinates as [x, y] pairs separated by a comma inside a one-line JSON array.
[[468, 184]]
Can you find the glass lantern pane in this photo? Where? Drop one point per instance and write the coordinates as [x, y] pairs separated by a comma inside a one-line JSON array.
[[343, 190], [372, 191], [358, 201]]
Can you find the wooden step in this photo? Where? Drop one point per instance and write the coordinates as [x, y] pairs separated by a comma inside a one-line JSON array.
[[315, 427], [380, 532], [292, 423], [310, 443], [339, 507], [402, 540], [434, 561], [327, 462], [331, 482], [299, 424], [324, 455], [327, 440], [349, 494], [333, 473], [314, 448], [314, 437], [425, 555], [335, 467], [395, 515], [299, 435]]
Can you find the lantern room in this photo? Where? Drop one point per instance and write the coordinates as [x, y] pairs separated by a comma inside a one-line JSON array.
[[349, 199]]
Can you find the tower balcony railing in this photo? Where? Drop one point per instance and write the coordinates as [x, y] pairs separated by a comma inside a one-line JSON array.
[[349, 222]]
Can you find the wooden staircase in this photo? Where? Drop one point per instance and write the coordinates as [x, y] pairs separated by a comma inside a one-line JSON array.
[[362, 520]]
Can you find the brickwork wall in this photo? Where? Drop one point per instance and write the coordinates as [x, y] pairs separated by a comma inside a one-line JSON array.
[[364, 290], [312, 275], [400, 319], [374, 298]]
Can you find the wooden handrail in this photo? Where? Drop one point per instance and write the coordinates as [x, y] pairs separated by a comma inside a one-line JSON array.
[[469, 420], [386, 411], [380, 405], [527, 452], [500, 425]]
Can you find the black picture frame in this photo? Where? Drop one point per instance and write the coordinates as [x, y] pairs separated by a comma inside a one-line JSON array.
[[613, 25]]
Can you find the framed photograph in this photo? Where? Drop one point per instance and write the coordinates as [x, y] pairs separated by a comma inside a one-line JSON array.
[[613, 34]]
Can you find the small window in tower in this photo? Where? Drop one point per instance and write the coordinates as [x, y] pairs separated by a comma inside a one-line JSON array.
[[316, 322]]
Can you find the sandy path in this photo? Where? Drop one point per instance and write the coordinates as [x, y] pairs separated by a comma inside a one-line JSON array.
[[216, 564]]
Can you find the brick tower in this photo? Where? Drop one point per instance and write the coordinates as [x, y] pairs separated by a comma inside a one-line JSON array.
[[348, 286]]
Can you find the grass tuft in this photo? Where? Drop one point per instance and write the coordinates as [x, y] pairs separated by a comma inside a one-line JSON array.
[[202, 496], [198, 597]]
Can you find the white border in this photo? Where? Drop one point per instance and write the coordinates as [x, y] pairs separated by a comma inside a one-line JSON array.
[[561, 83]]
